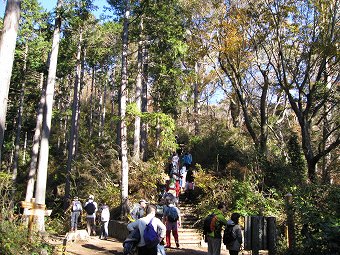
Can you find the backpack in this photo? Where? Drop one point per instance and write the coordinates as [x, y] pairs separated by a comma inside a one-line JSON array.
[[130, 243], [150, 235], [209, 224], [90, 208], [76, 207], [228, 236], [172, 214]]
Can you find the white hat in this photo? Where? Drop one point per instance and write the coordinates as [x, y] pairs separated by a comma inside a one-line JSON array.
[[143, 200], [91, 197]]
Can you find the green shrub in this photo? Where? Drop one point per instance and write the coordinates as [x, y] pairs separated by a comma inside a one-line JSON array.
[[13, 241], [317, 214]]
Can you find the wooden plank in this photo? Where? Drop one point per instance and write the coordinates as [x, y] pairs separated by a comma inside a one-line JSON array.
[[255, 234], [247, 233], [271, 226], [35, 213], [27, 205]]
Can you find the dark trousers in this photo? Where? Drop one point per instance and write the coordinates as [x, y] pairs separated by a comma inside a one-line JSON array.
[[233, 252], [143, 250]]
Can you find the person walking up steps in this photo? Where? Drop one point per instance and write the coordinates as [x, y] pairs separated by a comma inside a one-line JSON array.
[[143, 247], [214, 238], [187, 160], [190, 184], [91, 208], [172, 219]]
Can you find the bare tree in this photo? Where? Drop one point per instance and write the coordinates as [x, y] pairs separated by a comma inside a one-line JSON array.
[[74, 122], [40, 191], [7, 48], [123, 98]]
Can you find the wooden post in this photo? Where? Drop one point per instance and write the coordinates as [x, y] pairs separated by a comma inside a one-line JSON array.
[[290, 221], [32, 210], [263, 234], [271, 231], [255, 231], [63, 251], [247, 233]]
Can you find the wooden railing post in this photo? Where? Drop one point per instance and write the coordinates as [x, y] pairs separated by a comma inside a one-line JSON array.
[[255, 235], [290, 221], [271, 230]]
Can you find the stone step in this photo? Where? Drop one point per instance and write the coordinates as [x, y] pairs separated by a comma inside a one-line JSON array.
[[188, 237]]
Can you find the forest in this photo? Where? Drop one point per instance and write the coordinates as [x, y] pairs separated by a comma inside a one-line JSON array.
[[97, 105]]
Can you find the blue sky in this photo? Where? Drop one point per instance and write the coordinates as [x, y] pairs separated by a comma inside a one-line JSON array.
[[50, 4]]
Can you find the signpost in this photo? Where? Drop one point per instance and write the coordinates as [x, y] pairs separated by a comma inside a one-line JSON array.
[[33, 209]]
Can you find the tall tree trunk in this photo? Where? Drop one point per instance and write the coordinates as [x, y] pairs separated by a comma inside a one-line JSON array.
[[112, 96], [137, 131], [40, 191], [91, 101], [7, 48], [24, 149], [263, 116], [36, 141], [74, 123], [103, 111], [81, 86], [19, 120], [144, 106], [123, 98], [196, 93], [100, 105]]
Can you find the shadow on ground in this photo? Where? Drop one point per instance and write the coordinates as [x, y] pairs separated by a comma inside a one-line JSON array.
[[101, 250]]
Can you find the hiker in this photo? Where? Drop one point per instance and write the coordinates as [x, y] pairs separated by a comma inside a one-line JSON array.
[[235, 243], [175, 162], [104, 219], [190, 184], [214, 238], [91, 208], [76, 209], [183, 174], [173, 188], [187, 160], [138, 210], [141, 224], [172, 220], [169, 169]]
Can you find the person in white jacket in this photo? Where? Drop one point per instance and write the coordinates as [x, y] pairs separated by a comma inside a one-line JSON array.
[[104, 218], [141, 225]]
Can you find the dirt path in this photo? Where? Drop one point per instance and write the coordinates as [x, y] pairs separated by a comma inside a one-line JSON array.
[[95, 246]]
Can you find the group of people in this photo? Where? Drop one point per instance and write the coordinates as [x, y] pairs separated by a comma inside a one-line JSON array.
[[164, 224], [214, 238], [170, 221], [91, 209], [180, 175]]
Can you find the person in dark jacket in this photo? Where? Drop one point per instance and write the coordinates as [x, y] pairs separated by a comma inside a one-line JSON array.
[[235, 246]]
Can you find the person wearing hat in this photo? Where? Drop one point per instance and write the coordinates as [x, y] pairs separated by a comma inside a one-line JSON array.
[[91, 208], [76, 209], [138, 210]]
